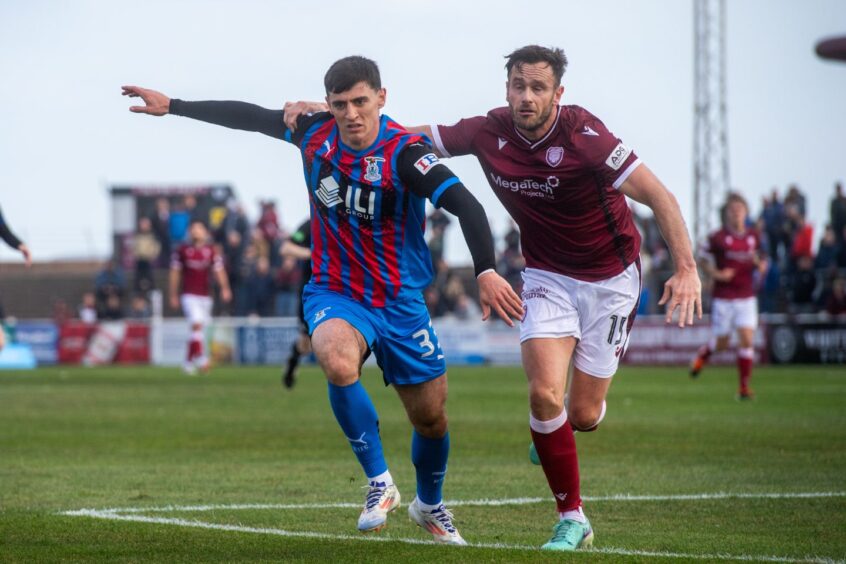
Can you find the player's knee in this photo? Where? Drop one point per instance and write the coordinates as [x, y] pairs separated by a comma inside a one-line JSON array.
[[431, 425], [586, 418], [545, 404], [339, 370]]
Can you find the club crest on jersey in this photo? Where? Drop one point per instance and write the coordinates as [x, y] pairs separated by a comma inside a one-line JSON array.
[[554, 156], [373, 169]]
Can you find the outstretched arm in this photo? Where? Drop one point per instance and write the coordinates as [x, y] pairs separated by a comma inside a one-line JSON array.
[[235, 115], [683, 290]]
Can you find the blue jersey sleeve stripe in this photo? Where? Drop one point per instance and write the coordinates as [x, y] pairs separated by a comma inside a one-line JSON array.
[[442, 188], [288, 135]]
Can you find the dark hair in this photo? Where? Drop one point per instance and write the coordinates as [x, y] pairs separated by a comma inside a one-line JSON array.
[[349, 71], [531, 54], [736, 197]]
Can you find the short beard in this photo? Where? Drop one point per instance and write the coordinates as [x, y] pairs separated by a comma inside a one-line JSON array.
[[535, 125]]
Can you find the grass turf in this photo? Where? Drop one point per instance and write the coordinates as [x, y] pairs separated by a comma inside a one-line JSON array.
[[146, 437]]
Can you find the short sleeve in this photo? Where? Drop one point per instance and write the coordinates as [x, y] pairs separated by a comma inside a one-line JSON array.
[[603, 152], [458, 139]]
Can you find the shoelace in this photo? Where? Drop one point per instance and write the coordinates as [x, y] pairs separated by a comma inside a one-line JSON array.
[[565, 530], [444, 517], [373, 495]]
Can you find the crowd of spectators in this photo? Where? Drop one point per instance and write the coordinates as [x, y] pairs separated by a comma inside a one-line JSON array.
[[800, 279], [263, 283]]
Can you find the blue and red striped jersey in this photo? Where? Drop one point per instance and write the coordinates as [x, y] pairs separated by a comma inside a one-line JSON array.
[[367, 224]]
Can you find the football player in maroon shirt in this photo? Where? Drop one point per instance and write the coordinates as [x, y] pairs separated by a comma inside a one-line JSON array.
[[191, 268], [733, 257]]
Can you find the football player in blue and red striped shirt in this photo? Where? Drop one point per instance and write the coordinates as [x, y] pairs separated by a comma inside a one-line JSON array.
[[368, 179]]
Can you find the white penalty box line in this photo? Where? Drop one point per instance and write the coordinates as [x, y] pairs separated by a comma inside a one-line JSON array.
[[136, 514]]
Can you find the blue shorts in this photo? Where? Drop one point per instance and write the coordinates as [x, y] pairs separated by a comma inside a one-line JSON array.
[[400, 335]]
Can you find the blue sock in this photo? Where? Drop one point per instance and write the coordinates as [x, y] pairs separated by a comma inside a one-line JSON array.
[[358, 419], [430, 459]]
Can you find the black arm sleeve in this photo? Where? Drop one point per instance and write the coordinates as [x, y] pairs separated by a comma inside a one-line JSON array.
[[474, 225], [427, 177], [7, 235], [235, 115]]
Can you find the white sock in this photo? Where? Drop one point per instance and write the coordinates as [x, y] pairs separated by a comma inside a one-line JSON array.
[[574, 515], [383, 477], [426, 507]]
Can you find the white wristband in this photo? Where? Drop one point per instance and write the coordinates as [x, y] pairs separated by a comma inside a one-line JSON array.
[[484, 272]]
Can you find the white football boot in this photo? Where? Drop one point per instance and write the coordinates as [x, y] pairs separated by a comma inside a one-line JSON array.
[[438, 522], [380, 501]]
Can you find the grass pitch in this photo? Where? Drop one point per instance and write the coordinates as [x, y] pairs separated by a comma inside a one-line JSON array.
[[182, 457]]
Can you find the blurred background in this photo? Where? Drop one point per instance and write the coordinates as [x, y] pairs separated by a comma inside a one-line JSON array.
[[101, 195]]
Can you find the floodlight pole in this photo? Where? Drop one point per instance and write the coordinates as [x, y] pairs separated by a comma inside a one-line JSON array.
[[710, 137]]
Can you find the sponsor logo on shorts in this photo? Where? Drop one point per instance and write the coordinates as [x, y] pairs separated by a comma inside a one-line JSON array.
[[618, 156], [535, 293], [320, 314]]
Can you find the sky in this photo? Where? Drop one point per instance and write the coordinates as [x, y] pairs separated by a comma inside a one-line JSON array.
[[66, 134]]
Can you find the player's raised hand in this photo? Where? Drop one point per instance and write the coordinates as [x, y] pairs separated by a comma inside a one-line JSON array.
[[155, 103], [496, 293], [683, 291], [294, 110]]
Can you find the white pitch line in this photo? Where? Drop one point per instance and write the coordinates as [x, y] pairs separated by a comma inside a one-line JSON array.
[[501, 546], [478, 502]]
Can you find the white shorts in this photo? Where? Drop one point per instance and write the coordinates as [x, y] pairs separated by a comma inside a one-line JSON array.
[[727, 315], [598, 314], [196, 308]]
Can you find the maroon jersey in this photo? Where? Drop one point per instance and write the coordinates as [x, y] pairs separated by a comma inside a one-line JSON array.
[[728, 249], [196, 264], [561, 189]]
